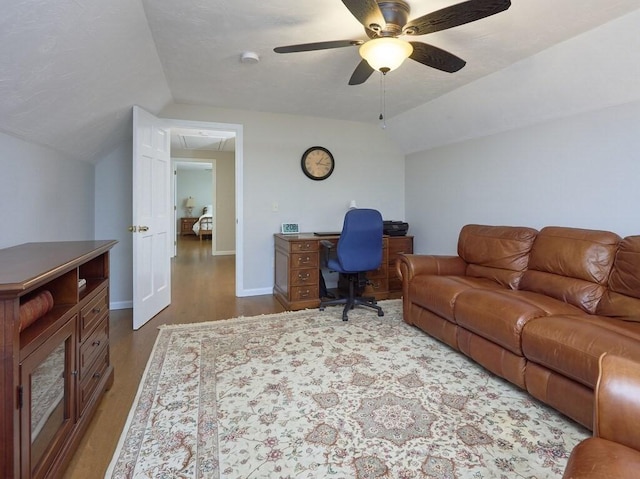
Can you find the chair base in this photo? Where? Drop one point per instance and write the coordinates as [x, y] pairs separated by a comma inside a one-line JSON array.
[[352, 300]]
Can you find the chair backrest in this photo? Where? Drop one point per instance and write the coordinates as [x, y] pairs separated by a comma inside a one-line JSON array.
[[360, 244]]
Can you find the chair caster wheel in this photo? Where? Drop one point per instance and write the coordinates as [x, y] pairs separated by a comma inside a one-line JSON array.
[[380, 313], [321, 308]]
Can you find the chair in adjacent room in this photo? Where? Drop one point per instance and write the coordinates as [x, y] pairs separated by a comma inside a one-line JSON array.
[[359, 249]]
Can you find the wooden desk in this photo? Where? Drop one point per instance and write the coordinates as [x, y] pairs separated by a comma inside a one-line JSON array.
[[298, 264]]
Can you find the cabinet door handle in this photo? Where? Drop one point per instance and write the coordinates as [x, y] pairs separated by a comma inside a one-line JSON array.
[[96, 375], [96, 343], [96, 310]]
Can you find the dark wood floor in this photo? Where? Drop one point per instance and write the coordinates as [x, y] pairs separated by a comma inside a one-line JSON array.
[[203, 289]]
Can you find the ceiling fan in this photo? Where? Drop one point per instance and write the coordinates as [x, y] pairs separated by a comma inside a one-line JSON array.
[[386, 20]]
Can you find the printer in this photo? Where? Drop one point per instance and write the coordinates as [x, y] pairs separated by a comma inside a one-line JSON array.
[[395, 228]]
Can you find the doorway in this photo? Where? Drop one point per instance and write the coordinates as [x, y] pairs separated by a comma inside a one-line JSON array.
[[197, 137], [195, 201]]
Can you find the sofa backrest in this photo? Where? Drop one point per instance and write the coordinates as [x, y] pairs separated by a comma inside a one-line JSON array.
[[622, 298], [500, 253], [571, 265]]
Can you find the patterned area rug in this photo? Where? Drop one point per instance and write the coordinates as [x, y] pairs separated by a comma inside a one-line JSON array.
[[306, 395]]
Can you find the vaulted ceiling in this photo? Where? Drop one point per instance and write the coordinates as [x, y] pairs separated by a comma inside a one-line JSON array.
[[70, 70]]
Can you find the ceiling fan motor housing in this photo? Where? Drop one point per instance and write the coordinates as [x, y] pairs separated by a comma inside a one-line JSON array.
[[396, 14]]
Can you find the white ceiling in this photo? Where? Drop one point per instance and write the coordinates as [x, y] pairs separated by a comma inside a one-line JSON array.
[[70, 70]]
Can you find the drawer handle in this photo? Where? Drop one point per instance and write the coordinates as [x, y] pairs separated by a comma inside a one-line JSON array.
[[96, 375], [96, 343], [305, 294], [304, 277], [96, 310], [304, 260]]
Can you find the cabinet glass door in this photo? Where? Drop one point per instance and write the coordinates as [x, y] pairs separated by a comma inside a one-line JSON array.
[[47, 416]]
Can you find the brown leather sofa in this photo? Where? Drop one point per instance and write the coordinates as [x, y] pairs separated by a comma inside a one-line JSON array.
[[537, 308], [614, 449]]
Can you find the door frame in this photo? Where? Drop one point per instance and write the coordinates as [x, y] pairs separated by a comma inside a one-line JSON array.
[[175, 162], [239, 183]]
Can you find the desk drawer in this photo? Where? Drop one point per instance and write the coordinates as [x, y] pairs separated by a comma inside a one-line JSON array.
[[395, 283], [92, 378], [304, 293], [93, 313], [303, 246], [381, 272], [400, 245], [379, 287], [92, 347], [304, 277], [304, 260]]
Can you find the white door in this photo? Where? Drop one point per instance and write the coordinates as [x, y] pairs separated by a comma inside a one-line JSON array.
[[151, 217]]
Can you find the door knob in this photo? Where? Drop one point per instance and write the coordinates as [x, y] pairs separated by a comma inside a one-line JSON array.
[[133, 229], [143, 228]]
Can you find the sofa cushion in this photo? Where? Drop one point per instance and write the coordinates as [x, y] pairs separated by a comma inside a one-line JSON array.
[[438, 294], [498, 253], [572, 345], [500, 315], [622, 299], [571, 264]]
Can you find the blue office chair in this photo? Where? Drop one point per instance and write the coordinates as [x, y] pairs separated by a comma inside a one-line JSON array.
[[359, 250]]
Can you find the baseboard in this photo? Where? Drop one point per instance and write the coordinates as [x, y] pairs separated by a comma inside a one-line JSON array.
[[121, 305], [255, 292], [223, 253]]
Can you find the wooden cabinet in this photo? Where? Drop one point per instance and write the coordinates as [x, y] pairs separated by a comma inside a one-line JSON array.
[[397, 245], [186, 226], [298, 263], [55, 369]]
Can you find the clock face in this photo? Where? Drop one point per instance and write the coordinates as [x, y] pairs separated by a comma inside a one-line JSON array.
[[317, 163]]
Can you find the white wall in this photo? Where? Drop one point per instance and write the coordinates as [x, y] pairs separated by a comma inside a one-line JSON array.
[[369, 169], [195, 183], [595, 70], [44, 195], [113, 213], [582, 171], [225, 203]]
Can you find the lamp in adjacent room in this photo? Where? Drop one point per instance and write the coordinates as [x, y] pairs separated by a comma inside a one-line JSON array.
[[386, 53], [189, 204]]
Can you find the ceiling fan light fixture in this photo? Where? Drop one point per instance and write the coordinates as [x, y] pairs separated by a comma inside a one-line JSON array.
[[385, 54]]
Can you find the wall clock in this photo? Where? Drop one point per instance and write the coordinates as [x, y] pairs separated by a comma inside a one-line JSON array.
[[317, 163]]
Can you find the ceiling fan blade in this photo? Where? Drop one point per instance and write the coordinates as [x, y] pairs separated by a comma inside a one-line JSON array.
[[455, 15], [307, 47], [435, 57], [361, 74], [366, 12]]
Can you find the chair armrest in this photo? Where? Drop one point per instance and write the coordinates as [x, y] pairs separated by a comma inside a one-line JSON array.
[[410, 265], [617, 401], [327, 244]]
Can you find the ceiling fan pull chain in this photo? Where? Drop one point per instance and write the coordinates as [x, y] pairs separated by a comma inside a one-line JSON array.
[[383, 101]]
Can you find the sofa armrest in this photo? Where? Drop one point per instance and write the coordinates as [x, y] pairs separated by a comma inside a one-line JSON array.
[[410, 265], [617, 401]]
